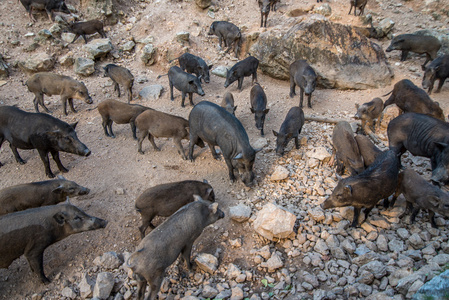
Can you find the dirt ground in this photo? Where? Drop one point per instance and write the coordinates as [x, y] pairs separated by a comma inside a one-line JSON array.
[[116, 173]]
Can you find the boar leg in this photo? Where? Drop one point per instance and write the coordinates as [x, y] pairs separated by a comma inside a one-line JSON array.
[[171, 90], [141, 287], [40, 100], [117, 89], [55, 155], [193, 141], [355, 221], [178, 145], [428, 58], [230, 169], [415, 211], [105, 124], [183, 97], [191, 99], [35, 259], [75, 38], [254, 77], [292, 87], [240, 83], [71, 105], [111, 133], [186, 255], [301, 96], [309, 101], [155, 285], [130, 94], [297, 142], [440, 85], [44, 157], [16, 154], [151, 139], [404, 55], [102, 33], [142, 136], [85, 38], [432, 219], [133, 129], [214, 153], [261, 19], [146, 222]]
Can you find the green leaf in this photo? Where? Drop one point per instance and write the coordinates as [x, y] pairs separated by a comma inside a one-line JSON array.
[[271, 285], [264, 282], [270, 294]]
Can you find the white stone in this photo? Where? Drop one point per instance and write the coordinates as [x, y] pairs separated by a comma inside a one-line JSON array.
[[274, 222], [207, 262], [240, 213], [280, 173], [103, 285], [319, 153]]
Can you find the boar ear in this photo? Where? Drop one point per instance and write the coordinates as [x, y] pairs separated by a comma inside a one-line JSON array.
[[348, 189], [61, 177], [210, 66], [275, 133], [437, 68], [208, 192], [441, 146], [266, 111], [252, 110], [58, 190], [238, 156], [213, 208], [60, 218], [205, 181], [197, 198], [235, 108], [191, 82], [371, 108], [74, 125]]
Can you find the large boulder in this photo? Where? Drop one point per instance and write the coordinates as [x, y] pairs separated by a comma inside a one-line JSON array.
[[342, 56], [100, 9], [274, 222], [39, 62], [98, 48], [84, 66]]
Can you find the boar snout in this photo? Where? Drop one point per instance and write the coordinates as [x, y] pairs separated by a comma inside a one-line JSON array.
[[89, 100], [100, 223], [327, 204], [86, 152], [84, 191]]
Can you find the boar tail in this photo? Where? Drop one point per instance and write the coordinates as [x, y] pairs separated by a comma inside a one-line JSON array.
[[161, 75], [387, 94]]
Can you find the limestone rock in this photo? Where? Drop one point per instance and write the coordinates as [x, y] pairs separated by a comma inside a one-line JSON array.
[[183, 37], [207, 262], [148, 54], [84, 66], [152, 92], [434, 289], [67, 60], [317, 214], [274, 222], [280, 173], [323, 9], [273, 263], [128, 46], [103, 285], [67, 37], [68, 293], [240, 213], [98, 48], [319, 153], [86, 286], [203, 3], [108, 260], [39, 62], [220, 71], [209, 292], [337, 52]]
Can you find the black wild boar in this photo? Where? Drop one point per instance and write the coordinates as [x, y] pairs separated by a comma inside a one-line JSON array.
[[346, 150], [290, 128], [368, 150], [165, 199], [360, 4], [422, 136], [120, 113], [364, 190], [420, 194], [53, 84], [153, 123], [411, 98], [228, 103], [243, 68], [227, 32], [437, 69], [86, 28], [415, 43], [195, 65], [258, 101], [184, 82], [215, 126], [265, 7], [304, 76], [35, 194], [31, 231], [48, 5], [39, 131], [120, 75], [369, 111], [161, 247]]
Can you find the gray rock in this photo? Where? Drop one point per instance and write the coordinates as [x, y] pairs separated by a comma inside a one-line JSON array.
[[260, 143], [240, 213], [109, 260], [224, 294], [279, 173], [365, 289], [274, 222], [237, 293], [382, 243], [377, 268], [348, 246], [68, 293], [67, 37], [183, 37], [403, 233], [323, 9], [416, 241], [321, 247], [152, 92], [319, 153], [86, 286], [203, 3], [233, 271], [4, 70], [405, 283], [55, 29], [98, 48], [385, 26], [103, 285], [128, 46], [441, 259], [330, 48], [207, 262], [67, 60], [40, 62], [220, 71], [273, 263], [436, 288], [312, 279], [84, 66], [396, 245], [148, 55], [317, 214], [209, 292]]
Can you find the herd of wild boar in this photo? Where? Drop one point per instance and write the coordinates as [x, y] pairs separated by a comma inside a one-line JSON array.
[[31, 221]]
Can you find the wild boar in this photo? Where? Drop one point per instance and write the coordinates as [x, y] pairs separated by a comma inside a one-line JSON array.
[[411, 98], [195, 65], [265, 7], [35, 194], [53, 84], [420, 194], [165, 199], [215, 126], [228, 103], [346, 150], [437, 69], [258, 100], [303, 75], [184, 82], [364, 190], [120, 75], [120, 113], [48, 5], [415, 43], [39, 131], [368, 112], [153, 123], [290, 128], [86, 28], [161, 247], [360, 4], [31, 231], [367, 149], [228, 33], [423, 136], [243, 68]]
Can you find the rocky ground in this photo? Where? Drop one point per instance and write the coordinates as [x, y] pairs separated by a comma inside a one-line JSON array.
[[323, 258]]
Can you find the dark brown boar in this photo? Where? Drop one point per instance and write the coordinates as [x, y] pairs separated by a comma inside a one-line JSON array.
[[302, 75], [153, 123], [31, 231], [290, 128], [54, 84], [368, 112], [48, 5], [228, 33], [86, 28], [367, 149], [258, 100], [120, 113], [437, 69], [228, 103], [411, 98], [162, 246], [165, 199], [346, 150], [360, 4], [120, 75], [421, 194], [35, 194]]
